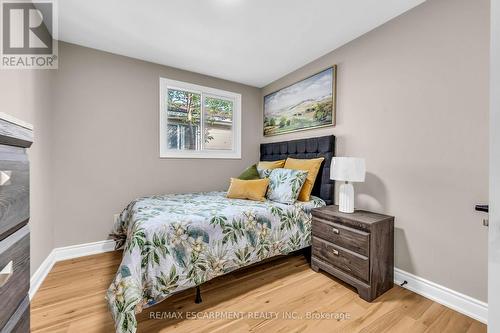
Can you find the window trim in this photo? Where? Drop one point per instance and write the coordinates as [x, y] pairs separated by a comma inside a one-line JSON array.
[[235, 153]]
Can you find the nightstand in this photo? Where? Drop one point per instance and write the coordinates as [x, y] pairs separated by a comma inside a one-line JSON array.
[[356, 248]]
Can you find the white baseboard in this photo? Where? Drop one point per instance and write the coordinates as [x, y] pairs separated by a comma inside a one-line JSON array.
[[450, 298], [41, 273], [65, 253], [454, 300], [81, 250]]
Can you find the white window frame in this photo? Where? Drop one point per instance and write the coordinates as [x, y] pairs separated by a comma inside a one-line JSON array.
[[235, 153]]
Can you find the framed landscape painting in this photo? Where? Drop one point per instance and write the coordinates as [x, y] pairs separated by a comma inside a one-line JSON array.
[[307, 104]]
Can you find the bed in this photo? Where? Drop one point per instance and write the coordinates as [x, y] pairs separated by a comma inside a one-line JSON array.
[[178, 241]]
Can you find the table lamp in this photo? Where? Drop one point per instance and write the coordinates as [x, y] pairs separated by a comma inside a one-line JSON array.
[[347, 169]]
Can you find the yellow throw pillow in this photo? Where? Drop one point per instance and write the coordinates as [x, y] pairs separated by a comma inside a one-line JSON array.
[[254, 189], [312, 167], [270, 164]]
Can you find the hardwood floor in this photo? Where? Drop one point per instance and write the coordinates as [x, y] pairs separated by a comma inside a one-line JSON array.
[[71, 299]]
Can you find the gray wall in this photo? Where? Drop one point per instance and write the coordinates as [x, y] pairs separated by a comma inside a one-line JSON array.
[[413, 100], [105, 140], [494, 216], [26, 95]]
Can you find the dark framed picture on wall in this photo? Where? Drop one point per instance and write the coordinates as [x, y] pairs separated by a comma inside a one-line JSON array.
[[307, 104]]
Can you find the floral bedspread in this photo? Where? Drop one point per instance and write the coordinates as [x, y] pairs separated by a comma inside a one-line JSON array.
[[175, 242]]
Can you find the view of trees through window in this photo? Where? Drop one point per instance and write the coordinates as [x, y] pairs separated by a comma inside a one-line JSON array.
[[183, 117], [218, 123], [193, 126]]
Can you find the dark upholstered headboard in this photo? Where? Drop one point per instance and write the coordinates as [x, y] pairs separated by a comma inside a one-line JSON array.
[[307, 148]]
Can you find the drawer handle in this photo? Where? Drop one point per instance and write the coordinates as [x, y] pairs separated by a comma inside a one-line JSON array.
[[5, 177], [336, 231], [335, 252], [6, 273]]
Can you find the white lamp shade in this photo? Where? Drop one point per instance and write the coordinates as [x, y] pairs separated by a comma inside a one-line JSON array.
[[351, 169]]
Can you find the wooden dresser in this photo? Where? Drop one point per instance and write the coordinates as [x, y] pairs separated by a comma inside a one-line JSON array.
[[356, 248], [15, 137]]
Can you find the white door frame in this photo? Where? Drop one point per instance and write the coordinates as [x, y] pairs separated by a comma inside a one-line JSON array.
[[494, 195]]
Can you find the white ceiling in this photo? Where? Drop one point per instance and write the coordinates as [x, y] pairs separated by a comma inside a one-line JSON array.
[[249, 41]]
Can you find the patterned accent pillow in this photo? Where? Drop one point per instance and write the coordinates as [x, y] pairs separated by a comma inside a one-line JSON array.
[[285, 185], [264, 173]]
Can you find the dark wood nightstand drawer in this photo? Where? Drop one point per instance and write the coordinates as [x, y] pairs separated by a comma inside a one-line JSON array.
[[14, 190], [357, 248], [348, 261], [19, 322], [15, 137], [15, 267], [349, 238]]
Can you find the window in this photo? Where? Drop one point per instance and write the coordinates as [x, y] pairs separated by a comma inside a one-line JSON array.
[[199, 122]]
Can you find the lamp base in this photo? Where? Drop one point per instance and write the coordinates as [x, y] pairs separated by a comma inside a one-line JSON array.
[[346, 198]]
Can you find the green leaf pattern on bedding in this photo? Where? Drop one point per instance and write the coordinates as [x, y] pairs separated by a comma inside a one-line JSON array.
[[175, 242]]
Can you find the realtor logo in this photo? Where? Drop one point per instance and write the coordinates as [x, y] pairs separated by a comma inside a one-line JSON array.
[[29, 35]]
